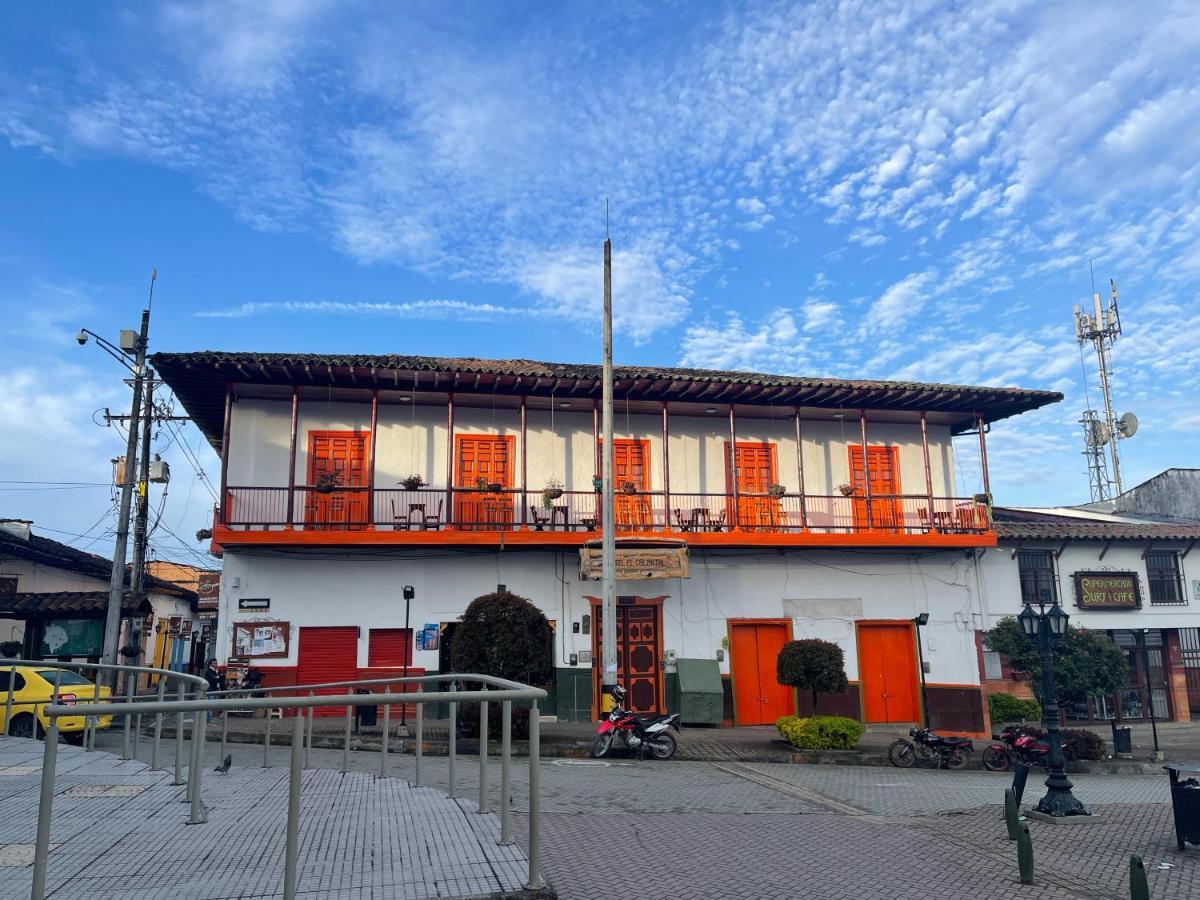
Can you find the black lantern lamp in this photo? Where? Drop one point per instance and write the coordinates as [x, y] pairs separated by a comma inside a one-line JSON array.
[[919, 620], [1044, 629]]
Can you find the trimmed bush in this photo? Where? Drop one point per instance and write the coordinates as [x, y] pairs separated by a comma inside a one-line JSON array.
[[1010, 708], [812, 665], [1085, 744], [504, 635], [821, 732]]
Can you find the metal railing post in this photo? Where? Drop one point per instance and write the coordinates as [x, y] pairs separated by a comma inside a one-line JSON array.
[[197, 815], [483, 759], [224, 731], [420, 742], [387, 724], [128, 699], [308, 731], [178, 738], [505, 773], [41, 847], [453, 740], [346, 743], [535, 876], [12, 681], [158, 720], [293, 814], [137, 734], [267, 742]]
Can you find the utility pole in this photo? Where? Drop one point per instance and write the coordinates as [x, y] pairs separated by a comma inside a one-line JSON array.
[[608, 543], [137, 575], [116, 590]]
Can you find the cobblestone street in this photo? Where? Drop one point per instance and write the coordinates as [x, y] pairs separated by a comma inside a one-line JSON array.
[[736, 830]]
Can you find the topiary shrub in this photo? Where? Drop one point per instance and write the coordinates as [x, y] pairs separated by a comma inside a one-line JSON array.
[[812, 665], [1010, 708], [821, 732], [504, 635], [1084, 744]]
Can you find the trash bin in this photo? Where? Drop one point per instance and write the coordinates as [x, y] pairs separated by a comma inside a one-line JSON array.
[[1185, 802], [367, 715], [1122, 738], [701, 699]]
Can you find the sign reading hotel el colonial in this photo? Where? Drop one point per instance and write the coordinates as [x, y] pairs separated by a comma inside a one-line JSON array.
[[779, 507]]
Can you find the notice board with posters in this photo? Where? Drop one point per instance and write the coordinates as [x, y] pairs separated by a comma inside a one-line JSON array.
[[1107, 590], [261, 640], [72, 637]]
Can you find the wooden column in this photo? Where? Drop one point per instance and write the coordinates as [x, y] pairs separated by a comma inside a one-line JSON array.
[[928, 471], [596, 451], [666, 467], [800, 473], [866, 463], [225, 452], [983, 465], [733, 472], [291, 493], [371, 465], [524, 468], [449, 457]]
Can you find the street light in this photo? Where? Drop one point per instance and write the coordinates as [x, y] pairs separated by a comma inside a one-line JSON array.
[[922, 619], [1141, 636], [1044, 630], [409, 593]]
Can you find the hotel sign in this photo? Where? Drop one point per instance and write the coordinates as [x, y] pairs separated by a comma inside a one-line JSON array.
[[1107, 590], [636, 564]]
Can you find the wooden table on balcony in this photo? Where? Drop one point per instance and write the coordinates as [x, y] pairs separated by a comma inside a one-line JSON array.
[[547, 518]]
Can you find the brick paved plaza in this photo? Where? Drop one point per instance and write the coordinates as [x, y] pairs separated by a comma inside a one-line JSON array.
[[745, 830]]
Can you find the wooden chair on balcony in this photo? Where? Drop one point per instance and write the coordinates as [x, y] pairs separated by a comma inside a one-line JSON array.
[[415, 516], [433, 521], [923, 515]]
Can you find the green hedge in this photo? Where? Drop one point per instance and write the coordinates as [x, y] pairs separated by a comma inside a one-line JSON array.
[[821, 732], [1010, 708]]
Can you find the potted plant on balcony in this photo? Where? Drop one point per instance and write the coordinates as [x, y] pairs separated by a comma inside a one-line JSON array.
[[413, 483], [488, 487], [847, 490], [776, 491], [551, 492], [328, 482]]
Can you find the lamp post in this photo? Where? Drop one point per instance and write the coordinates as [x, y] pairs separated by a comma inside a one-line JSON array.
[[1044, 630], [922, 619], [1141, 637], [409, 594]]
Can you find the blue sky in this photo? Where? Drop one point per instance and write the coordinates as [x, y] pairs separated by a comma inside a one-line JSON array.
[[885, 189]]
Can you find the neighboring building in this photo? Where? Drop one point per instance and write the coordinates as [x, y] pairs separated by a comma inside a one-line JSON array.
[[1173, 494], [1122, 575], [54, 599], [193, 650], [837, 516]]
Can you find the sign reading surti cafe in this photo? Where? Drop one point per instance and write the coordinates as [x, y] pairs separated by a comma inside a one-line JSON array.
[[1107, 590]]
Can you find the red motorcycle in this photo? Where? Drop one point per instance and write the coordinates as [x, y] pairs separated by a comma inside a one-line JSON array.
[[1015, 744], [636, 733]]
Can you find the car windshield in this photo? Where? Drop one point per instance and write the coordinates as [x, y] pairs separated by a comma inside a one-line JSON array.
[[65, 677]]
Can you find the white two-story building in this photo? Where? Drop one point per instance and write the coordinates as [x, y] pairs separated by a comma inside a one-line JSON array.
[[762, 508]]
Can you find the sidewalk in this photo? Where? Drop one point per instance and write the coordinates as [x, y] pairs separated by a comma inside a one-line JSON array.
[[1179, 741]]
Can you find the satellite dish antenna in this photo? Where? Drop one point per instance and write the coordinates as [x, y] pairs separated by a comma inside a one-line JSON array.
[[1127, 425], [1100, 433]]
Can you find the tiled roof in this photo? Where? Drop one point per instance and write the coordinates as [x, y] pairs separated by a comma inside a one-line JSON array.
[[1029, 525], [63, 556], [199, 379], [75, 602]]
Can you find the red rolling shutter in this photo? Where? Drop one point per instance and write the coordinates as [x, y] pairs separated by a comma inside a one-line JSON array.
[[328, 654], [389, 648]]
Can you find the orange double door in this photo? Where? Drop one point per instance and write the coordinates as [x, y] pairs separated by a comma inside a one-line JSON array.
[[758, 697], [756, 471], [340, 460], [887, 672], [882, 475], [488, 458]]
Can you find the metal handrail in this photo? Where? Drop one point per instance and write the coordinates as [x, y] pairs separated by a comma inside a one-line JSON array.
[[495, 690]]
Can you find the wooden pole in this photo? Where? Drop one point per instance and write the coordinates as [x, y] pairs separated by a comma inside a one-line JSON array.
[[666, 464], [928, 471], [291, 489], [449, 457], [866, 466], [800, 472], [983, 463], [371, 464], [733, 470], [224, 452], [524, 468]]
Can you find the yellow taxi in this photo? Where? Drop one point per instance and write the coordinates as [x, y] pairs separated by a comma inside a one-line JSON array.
[[32, 689]]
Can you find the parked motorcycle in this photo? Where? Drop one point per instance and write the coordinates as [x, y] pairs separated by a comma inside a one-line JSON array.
[[636, 733], [950, 752], [1013, 744]]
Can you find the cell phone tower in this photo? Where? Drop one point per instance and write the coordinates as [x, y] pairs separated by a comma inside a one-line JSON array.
[[1101, 329]]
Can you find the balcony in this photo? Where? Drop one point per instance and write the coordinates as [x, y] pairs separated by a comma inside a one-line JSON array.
[[322, 516]]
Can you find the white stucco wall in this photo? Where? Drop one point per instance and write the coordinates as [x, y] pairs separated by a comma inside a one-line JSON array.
[[822, 592], [1002, 586], [413, 441]]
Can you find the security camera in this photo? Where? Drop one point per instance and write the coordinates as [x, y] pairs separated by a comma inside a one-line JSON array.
[[81, 337]]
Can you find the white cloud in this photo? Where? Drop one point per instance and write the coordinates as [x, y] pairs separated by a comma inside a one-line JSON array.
[[901, 303]]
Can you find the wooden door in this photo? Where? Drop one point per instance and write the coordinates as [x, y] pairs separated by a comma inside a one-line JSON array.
[[328, 654], [489, 457], [755, 473], [759, 698], [887, 667], [639, 653], [883, 470], [339, 457], [631, 465]]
